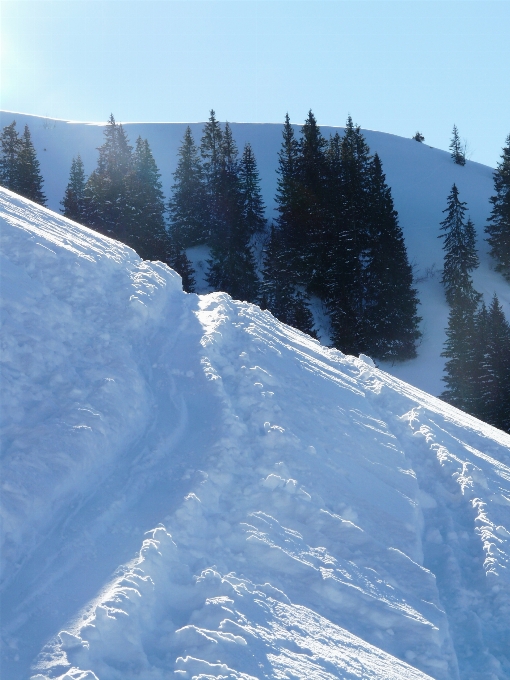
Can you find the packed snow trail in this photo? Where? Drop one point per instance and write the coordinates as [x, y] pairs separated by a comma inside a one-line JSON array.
[[299, 513]]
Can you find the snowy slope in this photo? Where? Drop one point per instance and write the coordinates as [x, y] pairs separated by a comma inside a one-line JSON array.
[[191, 489], [420, 177]]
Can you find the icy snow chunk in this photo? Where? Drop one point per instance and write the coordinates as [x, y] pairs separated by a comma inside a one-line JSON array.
[[70, 641], [273, 481], [368, 360]]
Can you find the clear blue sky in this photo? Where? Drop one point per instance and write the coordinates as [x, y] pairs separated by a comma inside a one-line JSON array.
[[394, 66]]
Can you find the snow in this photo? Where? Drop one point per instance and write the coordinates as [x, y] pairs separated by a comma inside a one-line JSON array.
[[192, 489], [420, 177]]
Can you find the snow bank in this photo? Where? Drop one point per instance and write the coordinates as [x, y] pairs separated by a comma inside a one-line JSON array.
[[277, 509]]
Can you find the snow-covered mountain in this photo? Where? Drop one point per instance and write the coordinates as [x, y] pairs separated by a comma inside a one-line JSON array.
[[420, 178], [191, 489]]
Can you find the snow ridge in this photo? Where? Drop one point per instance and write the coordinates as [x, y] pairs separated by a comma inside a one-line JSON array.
[[296, 512]]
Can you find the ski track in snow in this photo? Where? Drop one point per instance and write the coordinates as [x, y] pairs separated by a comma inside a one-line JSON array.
[[191, 489]]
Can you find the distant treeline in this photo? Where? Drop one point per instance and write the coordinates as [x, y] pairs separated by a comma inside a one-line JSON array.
[[336, 238]]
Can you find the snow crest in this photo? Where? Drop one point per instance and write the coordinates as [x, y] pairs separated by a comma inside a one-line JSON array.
[[277, 509]]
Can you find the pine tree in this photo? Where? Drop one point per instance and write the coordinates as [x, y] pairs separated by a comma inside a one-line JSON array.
[[460, 250], [391, 319], [29, 179], [461, 364], [105, 190], [73, 203], [212, 152], [350, 244], [252, 203], [288, 195], [144, 211], [10, 148], [457, 152], [187, 206], [498, 228], [279, 292], [494, 379], [418, 137], [177, 259], [232, 266]]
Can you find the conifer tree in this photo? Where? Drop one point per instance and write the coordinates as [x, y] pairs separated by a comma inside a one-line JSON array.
[[279, 292], [493, 380], [105, 190], [498, 227], [252, 203], [461, 356], [460, 250], [73, 203], [187, 206], [144, 211], [288, 195], [232, 266], [10, 148], [350, 245], [390, 316], [29, 178], [418, 137], [211, 150], [457, 152], [177, 259]]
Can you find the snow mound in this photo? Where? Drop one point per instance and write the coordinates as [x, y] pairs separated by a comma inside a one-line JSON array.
[[192, 489]]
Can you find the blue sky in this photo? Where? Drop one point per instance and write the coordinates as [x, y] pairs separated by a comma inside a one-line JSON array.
[[394, 66]]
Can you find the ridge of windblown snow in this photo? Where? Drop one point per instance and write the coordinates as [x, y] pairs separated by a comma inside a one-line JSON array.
[[277, 509]]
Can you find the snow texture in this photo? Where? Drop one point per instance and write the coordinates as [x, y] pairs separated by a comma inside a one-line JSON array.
[[191, 489]]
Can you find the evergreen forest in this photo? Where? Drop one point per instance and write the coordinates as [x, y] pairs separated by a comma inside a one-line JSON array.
[[336, 239]]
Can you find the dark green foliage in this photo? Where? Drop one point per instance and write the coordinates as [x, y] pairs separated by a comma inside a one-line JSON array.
[[187, 206], [232, 266], [418, 137], [457, 150], [19, 167], [279, 290], [498, 227], [494, 379], [73, 203], [288, 191], [211, 150], [460, 251], [251, 198], [144, 210], [177, 259], [460, 352], [391, 319], [9, 154], [105, 190]]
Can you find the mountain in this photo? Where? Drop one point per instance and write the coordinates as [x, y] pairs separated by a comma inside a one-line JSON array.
[[420, 178], [192, 489]]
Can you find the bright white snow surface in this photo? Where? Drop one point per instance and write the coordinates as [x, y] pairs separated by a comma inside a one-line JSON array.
[[191, 489], [420, 178]]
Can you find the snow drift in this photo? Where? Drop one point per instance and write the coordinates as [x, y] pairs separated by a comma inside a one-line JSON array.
[[192, 489]]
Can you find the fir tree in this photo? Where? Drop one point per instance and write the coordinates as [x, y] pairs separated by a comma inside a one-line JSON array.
[[252, 203], [232, 266], [177, 259], [457, 152], [105, 190], [211, 150], [279, 292], [29, 178], [187, 206], [350, 244], [498, 228], [390, 314], [10, 148], [144, 211], [493, 380], [288, 195], [73, 203], [418, 137], [460, 250], [461, 356]]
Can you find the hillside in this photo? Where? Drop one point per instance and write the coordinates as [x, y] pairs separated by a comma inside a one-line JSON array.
[[420, 177], [191, 489]]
